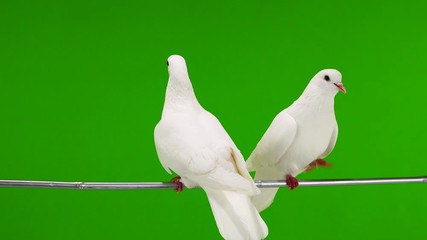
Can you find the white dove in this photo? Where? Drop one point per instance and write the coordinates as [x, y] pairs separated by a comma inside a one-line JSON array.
[[299, 136], [193, 143]]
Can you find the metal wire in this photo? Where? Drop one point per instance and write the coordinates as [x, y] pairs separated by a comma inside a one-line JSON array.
[[168, 185]]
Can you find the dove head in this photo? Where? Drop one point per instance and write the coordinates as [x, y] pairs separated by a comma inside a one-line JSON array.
[[327, 81], [179, 90], [177, 67]]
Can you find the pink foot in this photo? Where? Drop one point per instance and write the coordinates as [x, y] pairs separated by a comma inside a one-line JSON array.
[[177, 181], [291, 181], [316, 163]]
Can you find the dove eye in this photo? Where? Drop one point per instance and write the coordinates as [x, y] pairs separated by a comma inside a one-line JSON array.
[[326, 78], [167, 63]]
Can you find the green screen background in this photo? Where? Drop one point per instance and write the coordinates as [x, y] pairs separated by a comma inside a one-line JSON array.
[[82, 86]]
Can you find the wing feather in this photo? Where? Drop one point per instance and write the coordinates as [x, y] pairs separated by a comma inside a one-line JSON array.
[[275, 142], [332, 142]]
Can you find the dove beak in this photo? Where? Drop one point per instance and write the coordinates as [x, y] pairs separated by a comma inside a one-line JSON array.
[[341, 87]]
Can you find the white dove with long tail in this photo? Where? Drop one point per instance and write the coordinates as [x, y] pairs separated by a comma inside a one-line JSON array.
[[299, 137], [193, 143]]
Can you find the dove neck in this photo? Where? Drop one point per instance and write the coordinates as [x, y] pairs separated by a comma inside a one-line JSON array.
[[180, 94], [322, 101]]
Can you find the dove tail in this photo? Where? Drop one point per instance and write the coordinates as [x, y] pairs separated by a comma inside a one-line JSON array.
[[265, 199], [235, 215]]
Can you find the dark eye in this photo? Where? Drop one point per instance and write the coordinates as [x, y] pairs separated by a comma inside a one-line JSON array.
[[326, 78], [167, 63]]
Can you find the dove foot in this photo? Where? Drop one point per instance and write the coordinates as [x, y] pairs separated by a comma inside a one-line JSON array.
[[177, 181], [316, 163], [291, 181]]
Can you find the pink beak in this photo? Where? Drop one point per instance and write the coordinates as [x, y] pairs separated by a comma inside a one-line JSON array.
[[341, 87]]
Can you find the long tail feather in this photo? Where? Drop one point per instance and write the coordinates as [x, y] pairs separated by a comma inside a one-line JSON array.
[[236, 216]]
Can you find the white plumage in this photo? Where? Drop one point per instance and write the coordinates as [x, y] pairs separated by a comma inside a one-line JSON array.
[[192, 142], [300, 134]]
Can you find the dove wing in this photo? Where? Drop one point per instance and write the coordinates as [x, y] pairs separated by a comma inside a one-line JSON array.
[[186, 155], [226, 175], [230, 166], [275, 142], [201, 151], [332, 142], [216, 129]]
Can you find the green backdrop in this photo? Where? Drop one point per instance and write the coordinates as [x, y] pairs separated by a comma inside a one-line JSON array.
[[82, 86]]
